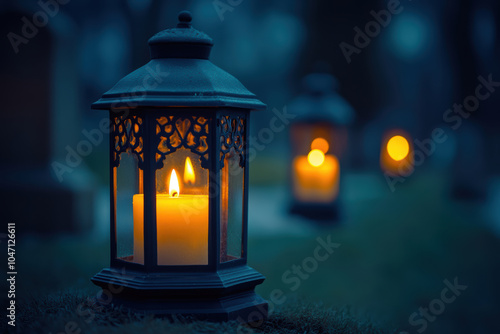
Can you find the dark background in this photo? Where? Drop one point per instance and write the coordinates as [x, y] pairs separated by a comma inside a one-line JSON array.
[[398, 246]]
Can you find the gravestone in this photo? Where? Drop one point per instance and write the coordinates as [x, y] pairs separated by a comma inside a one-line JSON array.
[[40, 117]]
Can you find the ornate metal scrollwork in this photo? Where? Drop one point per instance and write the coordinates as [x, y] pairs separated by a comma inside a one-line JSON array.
[[127, 135], [174, 132], [232, 135]]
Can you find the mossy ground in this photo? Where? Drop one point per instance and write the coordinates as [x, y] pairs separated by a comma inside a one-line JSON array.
[[72, 312]]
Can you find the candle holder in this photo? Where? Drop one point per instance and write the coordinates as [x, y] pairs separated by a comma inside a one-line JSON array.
[[179, 185], [319, 140]]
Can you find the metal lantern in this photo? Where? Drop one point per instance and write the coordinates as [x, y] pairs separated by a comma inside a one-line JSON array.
[[319, 138], [179, 184]]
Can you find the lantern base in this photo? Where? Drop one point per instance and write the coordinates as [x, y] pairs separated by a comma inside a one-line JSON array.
[[213, 296], [327, 213]]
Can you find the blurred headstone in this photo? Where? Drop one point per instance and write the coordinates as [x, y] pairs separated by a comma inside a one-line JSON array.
[[469, 172], [40, 117]]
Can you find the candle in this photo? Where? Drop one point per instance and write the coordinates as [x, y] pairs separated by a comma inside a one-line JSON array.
[[181, 227], [316, 177]]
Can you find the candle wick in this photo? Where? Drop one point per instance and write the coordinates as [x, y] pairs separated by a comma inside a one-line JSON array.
[[174, 194]]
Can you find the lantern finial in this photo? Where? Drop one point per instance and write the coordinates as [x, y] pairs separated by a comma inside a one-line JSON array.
[[185, 19]]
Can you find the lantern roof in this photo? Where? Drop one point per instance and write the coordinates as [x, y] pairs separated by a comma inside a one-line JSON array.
[[179, 75], [321, 102]]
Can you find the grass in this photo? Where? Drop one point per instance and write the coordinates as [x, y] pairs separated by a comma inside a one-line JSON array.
[[72, 312], [395, 253]]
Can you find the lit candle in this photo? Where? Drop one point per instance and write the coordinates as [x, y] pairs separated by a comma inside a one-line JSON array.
[[316, 176], [395, 154], [181, 226]]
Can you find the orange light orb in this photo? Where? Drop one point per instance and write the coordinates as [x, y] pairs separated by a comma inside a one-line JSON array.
[[398, 148], [320, 144]]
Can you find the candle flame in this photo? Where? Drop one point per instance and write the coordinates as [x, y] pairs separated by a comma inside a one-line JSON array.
[[315, 158], [174, 185], [320, 144], [188, 172], [398, 148]]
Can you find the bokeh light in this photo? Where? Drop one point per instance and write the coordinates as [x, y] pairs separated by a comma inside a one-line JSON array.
[[316, 158], [320, 144], [398, 148]]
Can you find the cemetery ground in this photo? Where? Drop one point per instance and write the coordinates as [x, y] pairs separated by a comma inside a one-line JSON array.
[[396, 254]]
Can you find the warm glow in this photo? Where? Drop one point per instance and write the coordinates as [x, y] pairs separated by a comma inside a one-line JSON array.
[[320, 144], [174, 185], [315, 158], [188, 172], [316, 184], [398, 148]]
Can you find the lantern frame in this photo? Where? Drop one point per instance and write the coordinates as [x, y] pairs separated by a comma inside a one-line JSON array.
[[217, 291], [320, 106], [215, 118]]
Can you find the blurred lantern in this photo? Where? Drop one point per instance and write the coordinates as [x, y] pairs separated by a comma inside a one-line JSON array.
[[396, 153], [319, 140], [179, 173]]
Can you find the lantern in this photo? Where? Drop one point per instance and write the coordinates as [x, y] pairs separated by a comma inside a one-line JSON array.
[[179, 184], [319, 138], [396, 157]]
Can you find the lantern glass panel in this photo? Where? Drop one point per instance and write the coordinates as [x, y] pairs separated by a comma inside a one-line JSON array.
[[231, 229], [182, 191], [129, 184]]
